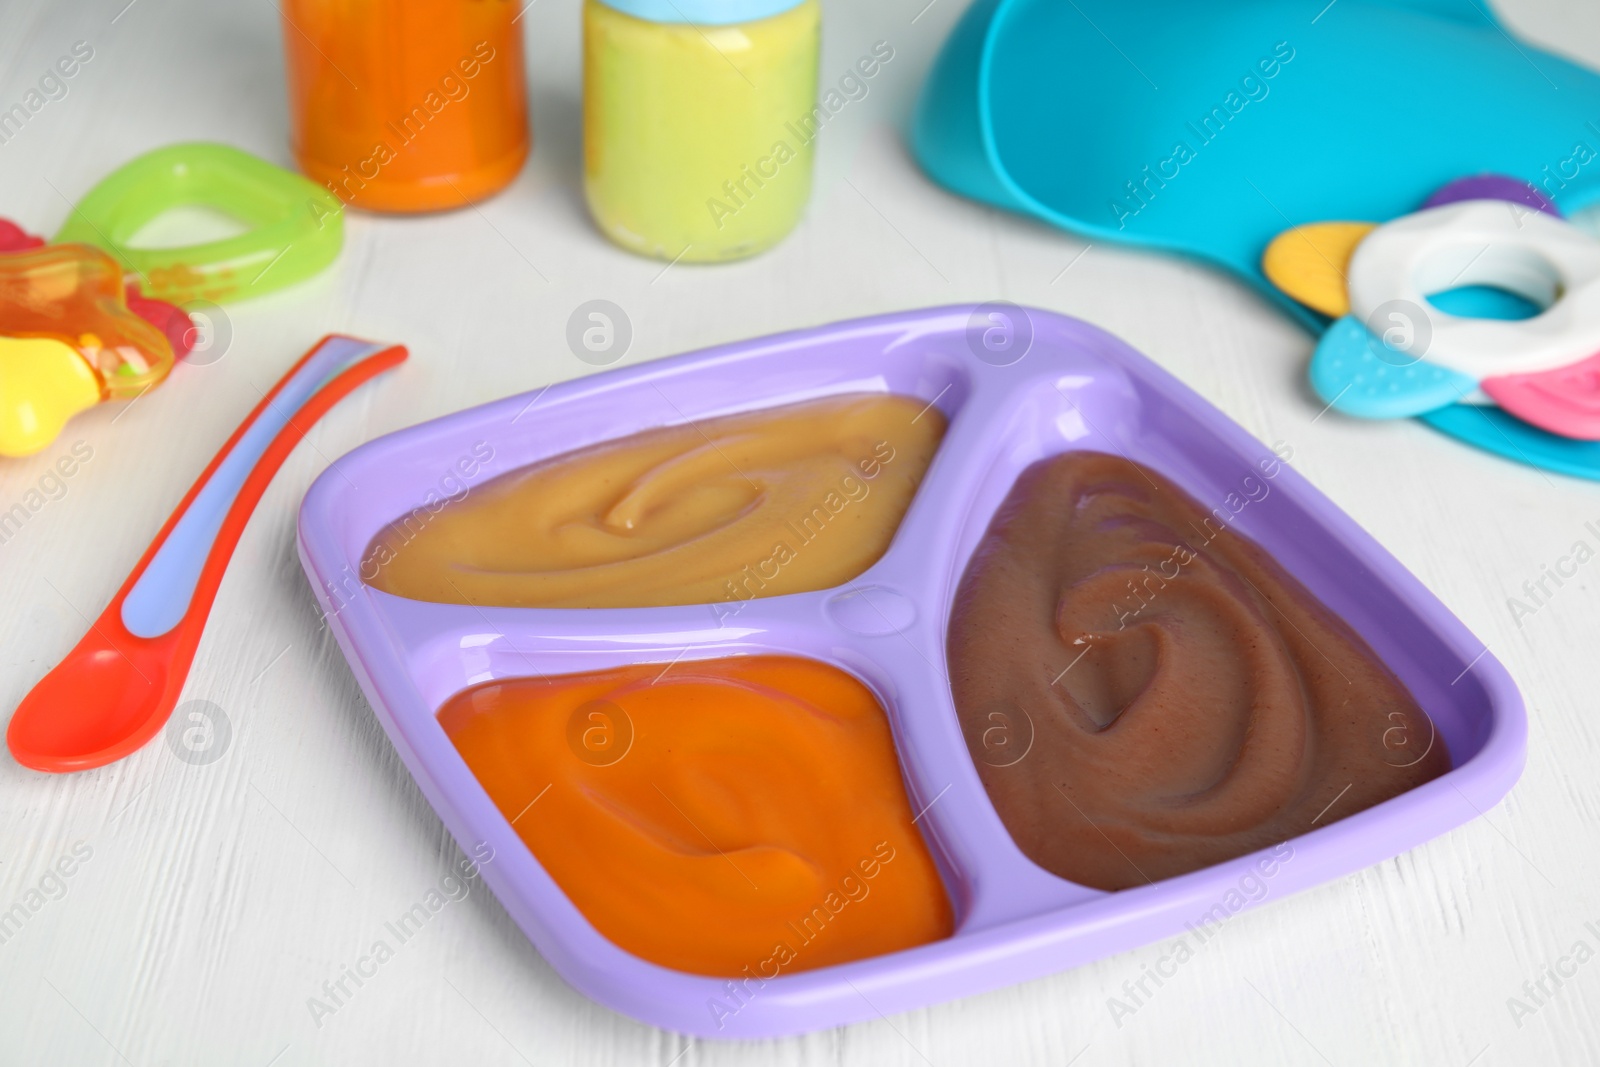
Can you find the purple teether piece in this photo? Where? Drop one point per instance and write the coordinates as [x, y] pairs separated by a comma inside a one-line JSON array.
[[1493, 187]]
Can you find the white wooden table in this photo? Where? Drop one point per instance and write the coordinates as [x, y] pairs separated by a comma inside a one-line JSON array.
[[209, 901]]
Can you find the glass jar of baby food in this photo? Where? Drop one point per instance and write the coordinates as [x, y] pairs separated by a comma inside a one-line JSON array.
[[698, 122], [407, 105]]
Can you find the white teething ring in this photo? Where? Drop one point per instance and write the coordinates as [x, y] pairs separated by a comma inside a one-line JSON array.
[[1487, 242]]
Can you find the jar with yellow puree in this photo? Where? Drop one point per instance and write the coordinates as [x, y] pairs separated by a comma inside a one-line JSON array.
[[698, 121]]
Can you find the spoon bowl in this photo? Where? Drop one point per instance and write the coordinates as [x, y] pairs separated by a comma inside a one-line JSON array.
[[93, 708], [115, 690]]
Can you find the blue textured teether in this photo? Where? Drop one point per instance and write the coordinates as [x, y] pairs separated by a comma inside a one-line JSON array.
[[1220, 125], [1356, 373]]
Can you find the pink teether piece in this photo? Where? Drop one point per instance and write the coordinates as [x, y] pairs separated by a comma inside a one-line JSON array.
[[14, 238], [1564, 401]]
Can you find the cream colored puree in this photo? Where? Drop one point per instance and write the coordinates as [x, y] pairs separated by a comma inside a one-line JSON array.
[[783, 500]]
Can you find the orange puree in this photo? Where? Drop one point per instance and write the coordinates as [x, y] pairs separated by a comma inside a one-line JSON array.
[[784, 500], [725, 817]]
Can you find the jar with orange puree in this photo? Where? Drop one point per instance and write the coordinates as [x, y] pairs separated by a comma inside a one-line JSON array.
[[698, 122], [407, 105]]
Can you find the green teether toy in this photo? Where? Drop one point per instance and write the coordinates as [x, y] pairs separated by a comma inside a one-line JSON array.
[[296, 226]]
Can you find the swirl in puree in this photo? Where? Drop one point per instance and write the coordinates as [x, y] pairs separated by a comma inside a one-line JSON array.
[[1146, 693], [784, 500], [739, 817]]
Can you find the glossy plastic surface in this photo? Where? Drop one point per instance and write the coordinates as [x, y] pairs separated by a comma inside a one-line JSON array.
[[295, 227], [1210, 141], [1486, 278], [168, 318], [75, 293], [114, 691], [44, 382], [1056, 384], [407, 105], [67, 341]]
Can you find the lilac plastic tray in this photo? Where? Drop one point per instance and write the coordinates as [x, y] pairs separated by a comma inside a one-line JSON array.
[[1076, 387]]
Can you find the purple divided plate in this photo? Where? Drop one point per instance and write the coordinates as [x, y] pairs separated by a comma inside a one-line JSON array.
[[1044, 384]]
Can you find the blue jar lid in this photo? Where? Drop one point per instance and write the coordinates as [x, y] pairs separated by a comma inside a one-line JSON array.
[[702, 12]]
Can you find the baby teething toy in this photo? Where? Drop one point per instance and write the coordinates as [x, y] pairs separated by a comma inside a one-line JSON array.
[[1393, 352], [91, 317], [68, 340], [1217, 133], [296, 225]]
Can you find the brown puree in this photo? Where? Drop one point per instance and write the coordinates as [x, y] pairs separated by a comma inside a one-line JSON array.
[[1179, 697], [782, 500]]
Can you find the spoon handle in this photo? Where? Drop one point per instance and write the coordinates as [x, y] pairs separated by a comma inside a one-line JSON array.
[[177, 579], [153, 624]]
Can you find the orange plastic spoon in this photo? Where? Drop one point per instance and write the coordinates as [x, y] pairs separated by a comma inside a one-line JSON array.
[[115, 690]]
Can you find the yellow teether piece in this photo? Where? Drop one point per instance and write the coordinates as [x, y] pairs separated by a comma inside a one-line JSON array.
[[43, 383], [1309, 263]]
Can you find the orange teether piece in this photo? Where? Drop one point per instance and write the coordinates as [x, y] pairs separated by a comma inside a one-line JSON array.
[[56, 301]]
